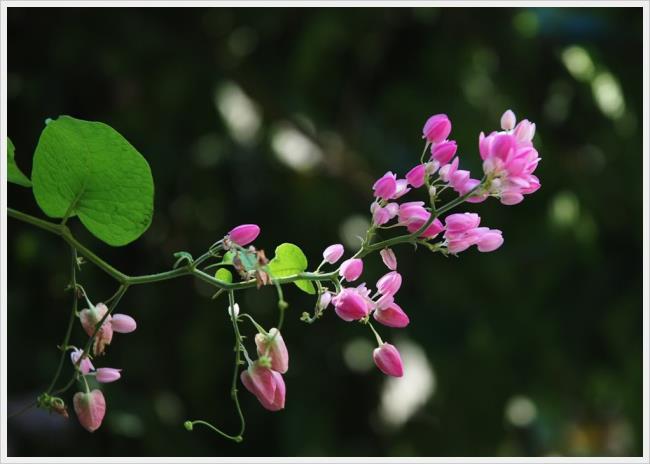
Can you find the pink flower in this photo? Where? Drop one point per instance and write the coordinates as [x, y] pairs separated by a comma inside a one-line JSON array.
[[273, 345], [463, 231], [402, 189], [508, 120], [266, 384], [389, 258], [350, 305], [107, 374], [244, 234], [432, 229], [380, 216], [85, 365], [443, 152], [333, 253], [122, 323], [385, 186], [509, 160], [90, 318], [415, 176], [392, 316], [90, 408], [388, 360], [351, 269], [324, 300], [437, 128], [390, 283]]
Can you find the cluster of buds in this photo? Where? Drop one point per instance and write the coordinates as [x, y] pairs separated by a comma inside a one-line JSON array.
[[90, 406]]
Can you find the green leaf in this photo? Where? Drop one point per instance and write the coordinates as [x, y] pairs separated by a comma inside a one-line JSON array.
[[223, 275], [88, 169], [290, 260], [14, 174]]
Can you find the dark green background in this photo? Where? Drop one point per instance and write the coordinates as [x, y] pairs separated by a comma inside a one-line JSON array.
[[555, 315]]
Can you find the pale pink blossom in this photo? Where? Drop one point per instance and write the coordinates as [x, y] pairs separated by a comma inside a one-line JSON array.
[[392, 316], [351, 269], [272, 344], [463, 231], [333, 253], [244, 234], [266, 384], [85, 365], [107, 374], [90, 317], [388, 360], [390, 283], [436, 128], [389, 258], [122, 323], [90, 408], [324, 300], [402, 189], [508, 120]]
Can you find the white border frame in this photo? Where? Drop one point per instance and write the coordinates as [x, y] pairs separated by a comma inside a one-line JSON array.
[[315, 3]]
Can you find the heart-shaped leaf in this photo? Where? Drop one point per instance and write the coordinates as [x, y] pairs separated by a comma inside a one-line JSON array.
[[88, 169], [289, 260]]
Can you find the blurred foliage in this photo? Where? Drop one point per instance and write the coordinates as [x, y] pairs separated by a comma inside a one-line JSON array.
[[284, 117]]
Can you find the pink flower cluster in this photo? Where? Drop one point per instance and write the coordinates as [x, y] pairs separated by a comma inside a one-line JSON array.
[[509, 160], [263, 378], [90, 406], [357, 303]]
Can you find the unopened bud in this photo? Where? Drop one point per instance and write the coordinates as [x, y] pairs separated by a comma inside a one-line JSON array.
[[188, 426]]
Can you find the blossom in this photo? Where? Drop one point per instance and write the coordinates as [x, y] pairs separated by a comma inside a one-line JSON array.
[[386, 186], [463, 231], [107, 374], [266, 384], [90, 408], [392, 316], [413, 215], [389, 283], [389, 259], [351, 304], [244, 234], [509, 160], [324, 300], [351, 269], [122, 323], [272, 344], [90, 317], [436, 128], [333, 253], [388, 360], [85, 365], [443, 152], [415, 176]]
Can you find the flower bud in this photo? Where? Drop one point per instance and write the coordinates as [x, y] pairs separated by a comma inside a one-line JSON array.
[[385, 186], [444, 152], [236, 308], [333, 253], [351, 269], [273, 346], [508, 120], [389, 259], [122, 323], [244, 234], [189, 426], [390, 283], [85, 365], [490, 241], [350, 305], [90, 408], [388, 360], [107, 374], [392, 316], [415, 176], [324, 300], [267, 386], [437, 128]]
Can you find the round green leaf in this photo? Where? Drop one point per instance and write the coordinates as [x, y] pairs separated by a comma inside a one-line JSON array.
[[14, 174], [289, 260], [88, 169]]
